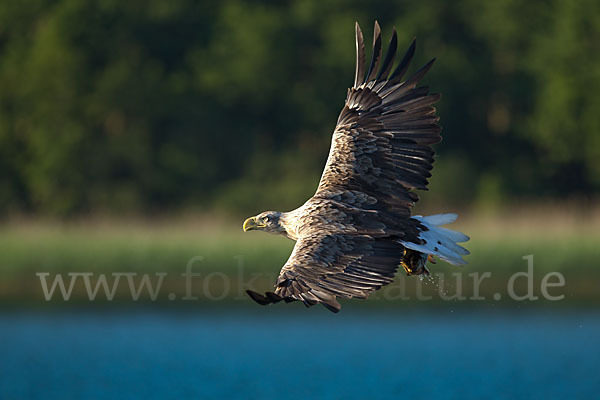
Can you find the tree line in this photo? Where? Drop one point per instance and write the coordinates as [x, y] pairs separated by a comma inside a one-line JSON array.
[[147, 106]]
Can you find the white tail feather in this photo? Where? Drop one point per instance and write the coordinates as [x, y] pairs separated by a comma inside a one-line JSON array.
[[437, 219], [440, 242]]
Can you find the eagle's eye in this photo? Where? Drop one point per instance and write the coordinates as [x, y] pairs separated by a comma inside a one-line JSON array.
[[268, 218]]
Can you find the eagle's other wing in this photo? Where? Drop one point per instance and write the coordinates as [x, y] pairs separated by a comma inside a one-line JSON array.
[[381, 145], [323, 266]]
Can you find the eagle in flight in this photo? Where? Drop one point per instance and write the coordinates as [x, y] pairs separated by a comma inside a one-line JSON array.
[[357, 229]]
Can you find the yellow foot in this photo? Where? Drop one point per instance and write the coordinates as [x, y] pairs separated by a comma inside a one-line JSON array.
[[407, 268]]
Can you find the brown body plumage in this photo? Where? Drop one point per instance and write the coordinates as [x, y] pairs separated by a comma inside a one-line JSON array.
[[357, 229]]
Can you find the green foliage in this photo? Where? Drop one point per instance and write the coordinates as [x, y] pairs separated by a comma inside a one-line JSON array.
[[140, 106], [253, 260]]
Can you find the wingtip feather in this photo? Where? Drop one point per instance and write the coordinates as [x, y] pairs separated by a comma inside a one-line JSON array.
[[404, 63], [360, 56], [386, 67], [376, 56], [257, 297]]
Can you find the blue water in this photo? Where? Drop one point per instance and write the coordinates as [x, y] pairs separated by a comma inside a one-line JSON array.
[[268, 353]]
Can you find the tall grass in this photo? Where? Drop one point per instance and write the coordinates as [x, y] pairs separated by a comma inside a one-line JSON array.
[[559, 242]]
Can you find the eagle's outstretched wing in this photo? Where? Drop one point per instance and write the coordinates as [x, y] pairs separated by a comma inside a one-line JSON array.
[[381, 145], [324, 266]]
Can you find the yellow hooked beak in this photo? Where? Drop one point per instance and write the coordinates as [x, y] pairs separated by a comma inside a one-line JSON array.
[[251, 223]]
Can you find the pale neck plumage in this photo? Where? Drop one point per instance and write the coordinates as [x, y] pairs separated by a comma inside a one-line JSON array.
[[289, 222]]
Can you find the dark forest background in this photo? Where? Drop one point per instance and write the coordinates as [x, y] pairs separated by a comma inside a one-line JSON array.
[[153, 106]]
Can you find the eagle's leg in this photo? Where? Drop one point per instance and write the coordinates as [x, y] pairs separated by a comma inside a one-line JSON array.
[[415, 263]]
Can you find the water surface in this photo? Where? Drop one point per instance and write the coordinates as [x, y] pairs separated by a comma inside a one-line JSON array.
[[268, 353]]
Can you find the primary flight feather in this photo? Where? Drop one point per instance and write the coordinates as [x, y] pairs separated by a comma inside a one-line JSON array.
[[356, 230]]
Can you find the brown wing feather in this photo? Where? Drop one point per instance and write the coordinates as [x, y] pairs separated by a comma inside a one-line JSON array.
[[381, 145], [325, 266]]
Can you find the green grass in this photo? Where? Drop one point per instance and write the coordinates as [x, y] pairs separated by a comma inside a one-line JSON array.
[[498, 244]]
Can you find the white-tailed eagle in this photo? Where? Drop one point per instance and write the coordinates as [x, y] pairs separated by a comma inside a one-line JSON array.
[[356, 230]]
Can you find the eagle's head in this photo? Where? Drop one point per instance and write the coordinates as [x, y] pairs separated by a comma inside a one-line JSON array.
[[268, 221]]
